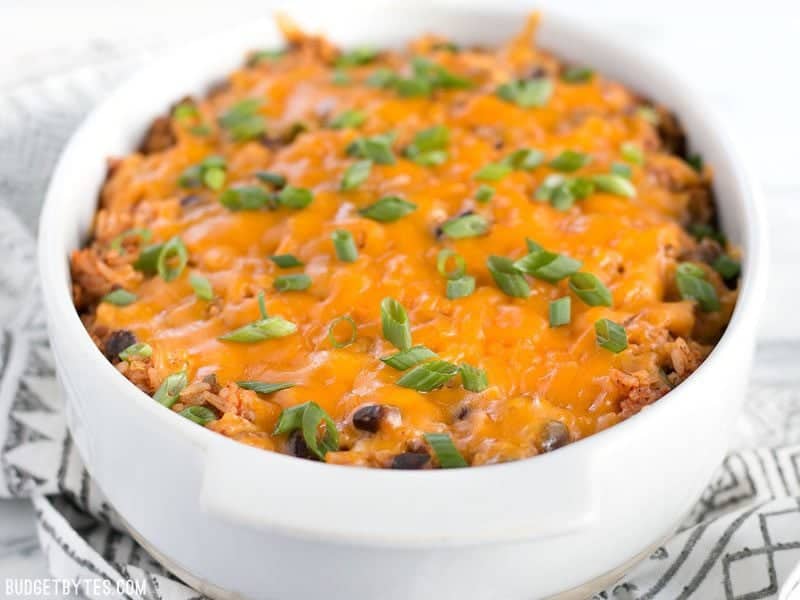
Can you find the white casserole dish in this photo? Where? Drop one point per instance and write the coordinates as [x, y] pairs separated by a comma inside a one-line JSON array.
[[241, 522]]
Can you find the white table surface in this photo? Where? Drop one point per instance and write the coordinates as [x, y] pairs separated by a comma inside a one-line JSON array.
[[743, 58]]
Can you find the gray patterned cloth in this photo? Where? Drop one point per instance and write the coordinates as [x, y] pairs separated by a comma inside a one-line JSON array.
[[740, 541]]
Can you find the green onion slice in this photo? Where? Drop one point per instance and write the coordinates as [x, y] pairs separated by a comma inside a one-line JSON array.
[[527, 93], [507, 277], [405, 359], [577, 74], [144, 235], [347, 119], [286, 261], [377, 148], [473, 379], [429, 146], [590, 289], [524, 159], [264, 329], [614, 184], [169, 390], [569, 161], [696, 162], [726, 266], [461, 287], [465, 226], [274, 179], [532, 245], [335, 342], [692, 285], [295, 197], [388, 209], [441, 264], [119, 297], [548, 266], [262, 387], [242, 120], [446, 452], [201, 286], [138, 349], [611, 335], [355, 175], [172, 259], [631, 152], [356, 57], [428, 376], [310, 417], [394, 320], [621, 169], [292, 283], [559, 311], [199, 414], [493, 172], [246, 197], [345, 245], [262, 306], [484, 193]]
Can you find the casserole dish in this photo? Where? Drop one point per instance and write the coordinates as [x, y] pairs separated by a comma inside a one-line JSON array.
[[266, 525]]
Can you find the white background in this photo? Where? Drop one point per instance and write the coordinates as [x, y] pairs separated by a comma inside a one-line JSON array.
[[745, 57]]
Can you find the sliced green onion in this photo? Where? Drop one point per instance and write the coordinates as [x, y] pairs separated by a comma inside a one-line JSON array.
[[144, 235], [138, 349], [527, 93], [210, 172], [446, 452], [559, 311], [246, 197], [524, 159], [461, 287], [264, 329], [172, 259], [214, 179], [394, 320], [577, 74], [726, 266], [703, 230], [405, 359], [262, 387], [507, 277], [295, 197], [562, 192], [260, 56], [692, 285], [355, 175], [347, 119], [649, 114], [428, 376], [484, 193], [473, 379], [274, 179], [147, 261], [590, 289], [377, 148], [548, 266], [356, 57], [611, 335], [199, 414], [492, 172], [696, 162], [119, 297], [344, 245], [185, 111], [614, 184], [465, 226], [569, 161], [430, 146], [201, 286], [532, 246], [292, 283], [262, 306], [621, 169], [388, 209], [169, 390], [441, 264], [242, 120], [286, 261], [308, 417], [632, 153], [380, 78], [353, 332]]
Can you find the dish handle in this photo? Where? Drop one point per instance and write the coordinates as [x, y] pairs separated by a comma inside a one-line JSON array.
[[525, 500]]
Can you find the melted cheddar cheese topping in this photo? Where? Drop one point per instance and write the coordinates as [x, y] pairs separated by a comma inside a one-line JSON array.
[[546, 385]]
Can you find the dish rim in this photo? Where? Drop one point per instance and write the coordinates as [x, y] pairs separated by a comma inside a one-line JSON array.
[[55, 277]]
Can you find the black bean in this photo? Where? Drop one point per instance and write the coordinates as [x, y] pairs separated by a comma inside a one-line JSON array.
[[410, 460], [296, 445], [117, 342], [368, 418], [554, 435]]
